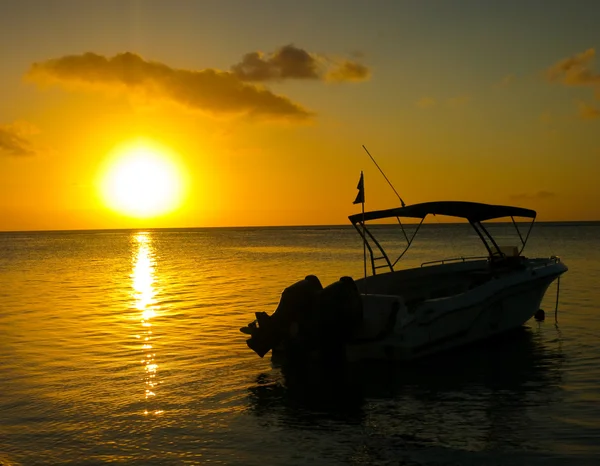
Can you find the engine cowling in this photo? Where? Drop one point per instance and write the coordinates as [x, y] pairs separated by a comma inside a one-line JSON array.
[[295, 306], [309, 317]]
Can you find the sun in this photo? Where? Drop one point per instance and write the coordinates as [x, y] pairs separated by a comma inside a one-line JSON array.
[[142, 180]]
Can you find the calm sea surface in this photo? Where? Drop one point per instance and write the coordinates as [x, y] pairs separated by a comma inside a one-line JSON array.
[[124, 347]]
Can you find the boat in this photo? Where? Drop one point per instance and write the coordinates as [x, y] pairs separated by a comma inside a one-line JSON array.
[[406, 314]]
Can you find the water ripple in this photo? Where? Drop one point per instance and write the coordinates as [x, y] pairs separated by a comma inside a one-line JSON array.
[[124, 347]]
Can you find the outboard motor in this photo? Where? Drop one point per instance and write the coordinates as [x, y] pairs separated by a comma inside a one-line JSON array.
[[309, 318], [295, 308]]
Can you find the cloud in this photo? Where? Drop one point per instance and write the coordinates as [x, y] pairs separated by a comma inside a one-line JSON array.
[[577, 71], [349, 71], [287, 62], [540, 195], [291, 62], [588, 112], [426, 102], [14, 139], [213, 91]]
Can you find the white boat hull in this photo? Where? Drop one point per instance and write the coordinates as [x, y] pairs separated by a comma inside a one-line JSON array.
[[435, 325]]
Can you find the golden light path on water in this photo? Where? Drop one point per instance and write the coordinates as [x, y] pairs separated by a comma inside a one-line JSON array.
[[142, 283]]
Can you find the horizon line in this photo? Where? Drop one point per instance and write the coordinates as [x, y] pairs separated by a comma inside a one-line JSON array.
[[272, 226]]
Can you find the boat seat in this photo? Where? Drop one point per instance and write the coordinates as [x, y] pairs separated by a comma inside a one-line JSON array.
[[381, 315]]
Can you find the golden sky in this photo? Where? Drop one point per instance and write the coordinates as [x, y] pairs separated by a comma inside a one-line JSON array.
[[123, 114]]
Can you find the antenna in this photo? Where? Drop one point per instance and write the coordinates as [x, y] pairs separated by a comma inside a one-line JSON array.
[[386, 178]]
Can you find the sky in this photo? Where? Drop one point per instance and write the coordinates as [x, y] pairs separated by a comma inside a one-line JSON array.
[[260, 109]]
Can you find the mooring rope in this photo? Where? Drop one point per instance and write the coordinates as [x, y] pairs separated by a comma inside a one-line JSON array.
[[557, 294]]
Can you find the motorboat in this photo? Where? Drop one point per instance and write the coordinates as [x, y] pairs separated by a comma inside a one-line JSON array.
[[405, 314]]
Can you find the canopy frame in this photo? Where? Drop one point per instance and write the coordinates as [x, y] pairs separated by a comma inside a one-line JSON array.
[[475, 213]]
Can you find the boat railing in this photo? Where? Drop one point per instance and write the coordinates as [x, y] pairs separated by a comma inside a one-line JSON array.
[[454, 259], [538, 263]]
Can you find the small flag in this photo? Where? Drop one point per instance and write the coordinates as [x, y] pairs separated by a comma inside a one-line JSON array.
[[360, 197]]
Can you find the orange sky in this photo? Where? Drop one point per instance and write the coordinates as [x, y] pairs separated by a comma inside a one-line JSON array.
[[265, 124]]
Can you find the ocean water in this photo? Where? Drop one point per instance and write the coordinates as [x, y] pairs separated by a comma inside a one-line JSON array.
[[123, 347]]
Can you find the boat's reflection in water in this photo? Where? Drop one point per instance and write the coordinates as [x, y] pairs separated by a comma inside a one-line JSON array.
[[484, 390]]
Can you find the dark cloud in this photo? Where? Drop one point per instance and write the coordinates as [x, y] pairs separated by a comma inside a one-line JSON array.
[[208, 90], [287, 62], [291, 62], [14, 141], [575, 70], [349, 71], [540, 195]]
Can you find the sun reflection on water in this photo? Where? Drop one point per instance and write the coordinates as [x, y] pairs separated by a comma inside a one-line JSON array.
[[143, 280]]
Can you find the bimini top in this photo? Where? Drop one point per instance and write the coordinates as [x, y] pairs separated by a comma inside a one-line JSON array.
[[472, 211]]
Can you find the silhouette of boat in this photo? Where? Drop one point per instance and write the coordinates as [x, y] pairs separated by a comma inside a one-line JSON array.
[[410, 313]]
